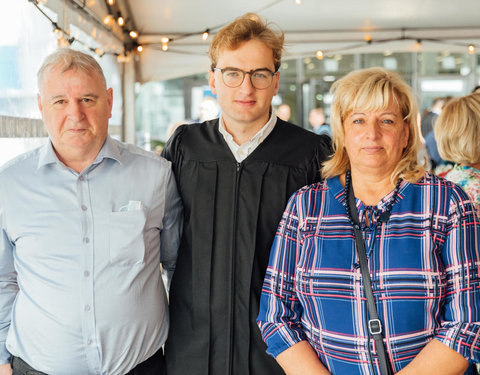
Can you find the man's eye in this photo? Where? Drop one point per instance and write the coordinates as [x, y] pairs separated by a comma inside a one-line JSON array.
[[260, 75], [358, 121], [86, 100], [232, 74], [59, 102]]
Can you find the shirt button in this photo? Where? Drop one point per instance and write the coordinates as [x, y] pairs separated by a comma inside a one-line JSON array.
[[86, 273], [89, 342], [81, 178], [87, 308], [84, 208], [86, 240]]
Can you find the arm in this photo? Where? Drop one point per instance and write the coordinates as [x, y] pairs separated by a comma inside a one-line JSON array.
[[8, 291], [301, 359], [172, 227], [434, 359], [455, 342], [5, 369], [280, 313]]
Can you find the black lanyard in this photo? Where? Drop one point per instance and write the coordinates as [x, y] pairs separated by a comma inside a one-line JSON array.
[[374, 324]]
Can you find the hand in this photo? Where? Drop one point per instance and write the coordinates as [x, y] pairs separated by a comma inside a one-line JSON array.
[[6, 369]]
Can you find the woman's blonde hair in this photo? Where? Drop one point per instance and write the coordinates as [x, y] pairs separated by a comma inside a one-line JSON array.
[[372, 90], [247, 27], [457, 130]]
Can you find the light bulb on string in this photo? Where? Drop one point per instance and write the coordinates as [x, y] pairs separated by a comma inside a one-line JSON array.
[[121, 21], [111, 2], [205, 34], [165, 39], [100, 52], [108, 19], [165, 47], [319, 54], [133, 34], [140, 48], [298, 2], [471, 49]]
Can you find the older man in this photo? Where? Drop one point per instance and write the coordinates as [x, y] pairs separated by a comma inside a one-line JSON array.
[[235, 175], [82, 238]]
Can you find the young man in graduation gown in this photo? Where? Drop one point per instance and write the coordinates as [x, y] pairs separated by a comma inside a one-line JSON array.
[[235, 175]]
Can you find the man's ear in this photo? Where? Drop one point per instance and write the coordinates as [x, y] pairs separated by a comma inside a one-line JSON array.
[[110, 101], [276, 79], [211, 81], [39, 102]]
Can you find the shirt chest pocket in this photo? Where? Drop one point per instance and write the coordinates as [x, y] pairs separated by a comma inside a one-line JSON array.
[[126, 242]]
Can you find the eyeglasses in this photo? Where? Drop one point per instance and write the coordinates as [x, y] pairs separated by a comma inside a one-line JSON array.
[[260, 78]]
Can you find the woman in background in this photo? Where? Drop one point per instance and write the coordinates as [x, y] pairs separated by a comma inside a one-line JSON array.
[[457, 132]]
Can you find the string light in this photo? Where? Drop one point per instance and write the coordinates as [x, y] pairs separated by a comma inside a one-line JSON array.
[[108, 19], [418, 44], [121, 21], [100, 52], [64, 37]]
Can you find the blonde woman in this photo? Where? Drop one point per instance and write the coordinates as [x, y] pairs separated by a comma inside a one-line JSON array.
[[457, 132], [419, 236]]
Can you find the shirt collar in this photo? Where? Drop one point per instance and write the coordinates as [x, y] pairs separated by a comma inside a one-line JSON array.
[[109, 150], [260, 135]]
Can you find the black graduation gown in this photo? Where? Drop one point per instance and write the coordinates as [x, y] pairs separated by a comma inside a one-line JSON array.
[[231, 214]]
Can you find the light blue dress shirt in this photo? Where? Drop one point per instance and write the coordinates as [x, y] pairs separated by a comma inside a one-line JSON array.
[[81, 290]]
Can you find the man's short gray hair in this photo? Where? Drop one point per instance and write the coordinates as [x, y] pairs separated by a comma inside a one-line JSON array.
[[70, 59]]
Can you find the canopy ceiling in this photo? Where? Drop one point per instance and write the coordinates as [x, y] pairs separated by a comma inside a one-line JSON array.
[[338, 26]]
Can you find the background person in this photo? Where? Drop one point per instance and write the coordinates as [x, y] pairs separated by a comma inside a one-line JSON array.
[[428, 121], [457, 132], [283, 112], [316, 118], [208, 108], [421, 236], [82, 238], [235, 175]]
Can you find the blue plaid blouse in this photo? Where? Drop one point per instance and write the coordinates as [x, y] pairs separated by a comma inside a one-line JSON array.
[[424, 265]]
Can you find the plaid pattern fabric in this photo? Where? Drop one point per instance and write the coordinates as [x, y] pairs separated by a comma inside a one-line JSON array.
[[424, 265]]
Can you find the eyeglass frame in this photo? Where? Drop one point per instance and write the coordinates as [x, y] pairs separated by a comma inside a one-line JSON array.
[[222, 70]]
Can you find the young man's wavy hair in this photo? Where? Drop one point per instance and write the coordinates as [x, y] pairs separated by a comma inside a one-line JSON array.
[[247, 27]]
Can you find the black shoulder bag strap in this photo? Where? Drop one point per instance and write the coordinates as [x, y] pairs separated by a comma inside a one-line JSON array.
[[374, 324]]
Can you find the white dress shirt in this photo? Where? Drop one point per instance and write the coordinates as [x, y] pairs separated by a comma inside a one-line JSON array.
[[241, 152]]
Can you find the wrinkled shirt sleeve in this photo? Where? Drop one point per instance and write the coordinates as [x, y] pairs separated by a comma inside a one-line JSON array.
[[8, 286], [460, 322], [172, 227], [280, 310]]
